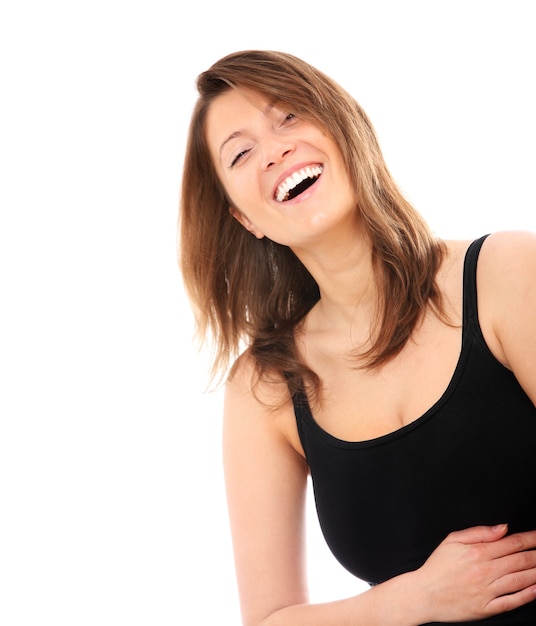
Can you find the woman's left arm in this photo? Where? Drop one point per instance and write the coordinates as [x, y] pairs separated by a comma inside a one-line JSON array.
[[506, 279]]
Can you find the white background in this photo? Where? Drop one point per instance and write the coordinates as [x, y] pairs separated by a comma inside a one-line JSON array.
[[112, 509]]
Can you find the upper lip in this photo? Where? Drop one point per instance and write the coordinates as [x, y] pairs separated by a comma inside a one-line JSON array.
[[292, 170]]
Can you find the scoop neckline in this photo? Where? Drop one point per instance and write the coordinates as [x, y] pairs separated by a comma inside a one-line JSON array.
[[402, 430]]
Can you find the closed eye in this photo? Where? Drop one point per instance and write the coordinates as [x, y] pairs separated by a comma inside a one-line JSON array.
[[239, 156]]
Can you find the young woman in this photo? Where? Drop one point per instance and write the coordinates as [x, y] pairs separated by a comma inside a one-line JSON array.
[[398, 370]]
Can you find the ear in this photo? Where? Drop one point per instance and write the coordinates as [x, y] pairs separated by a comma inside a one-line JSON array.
[[246, 222]]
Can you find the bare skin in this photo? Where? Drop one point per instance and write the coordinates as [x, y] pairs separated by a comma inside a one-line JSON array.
[[474, 573]]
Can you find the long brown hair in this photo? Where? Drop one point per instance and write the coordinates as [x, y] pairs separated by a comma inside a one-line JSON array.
[[253, 293]]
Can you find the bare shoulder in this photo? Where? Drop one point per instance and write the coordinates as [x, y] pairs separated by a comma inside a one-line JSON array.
[[260, 403], [507, 297], [269, 390], [505, 255], [506, 268], [505, 251]]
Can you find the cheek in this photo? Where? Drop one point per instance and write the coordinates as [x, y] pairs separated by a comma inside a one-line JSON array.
[[245, 192]]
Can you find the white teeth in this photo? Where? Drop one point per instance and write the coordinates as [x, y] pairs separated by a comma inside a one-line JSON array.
[[295, 179]]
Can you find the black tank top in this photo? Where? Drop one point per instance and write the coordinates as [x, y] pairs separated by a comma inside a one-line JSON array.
[[385, 504]]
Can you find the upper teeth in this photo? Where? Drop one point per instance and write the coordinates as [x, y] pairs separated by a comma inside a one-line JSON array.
[[311, 171]]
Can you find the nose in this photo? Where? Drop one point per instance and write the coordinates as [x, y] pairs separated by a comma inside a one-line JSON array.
[[276, 151]]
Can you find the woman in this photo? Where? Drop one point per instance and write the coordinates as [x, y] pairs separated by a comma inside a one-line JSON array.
[[299, 251]]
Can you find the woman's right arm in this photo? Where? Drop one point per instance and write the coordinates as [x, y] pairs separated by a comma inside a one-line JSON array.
[[467, 576]]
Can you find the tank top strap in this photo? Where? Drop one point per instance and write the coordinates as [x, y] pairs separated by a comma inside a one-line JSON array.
[[470, 308]]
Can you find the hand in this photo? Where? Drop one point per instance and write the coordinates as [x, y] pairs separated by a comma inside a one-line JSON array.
[[479, 572]]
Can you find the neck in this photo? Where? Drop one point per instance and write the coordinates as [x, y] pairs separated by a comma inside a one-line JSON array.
[[344, 274]]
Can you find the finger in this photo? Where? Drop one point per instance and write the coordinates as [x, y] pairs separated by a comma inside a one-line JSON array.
[[515, 581], [513, 544], [478, 534], [511, 601], [514, 572]]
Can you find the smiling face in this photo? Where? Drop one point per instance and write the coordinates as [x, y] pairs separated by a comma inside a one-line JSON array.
[[285, 177]]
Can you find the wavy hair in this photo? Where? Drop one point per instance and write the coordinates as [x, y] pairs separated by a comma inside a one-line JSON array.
[[254, 293]]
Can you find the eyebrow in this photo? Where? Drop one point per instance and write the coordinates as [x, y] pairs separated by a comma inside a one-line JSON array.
[[238, 133], [232, 136]]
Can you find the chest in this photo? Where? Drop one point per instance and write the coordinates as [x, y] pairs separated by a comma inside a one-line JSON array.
[[385, 504], [358, 404]]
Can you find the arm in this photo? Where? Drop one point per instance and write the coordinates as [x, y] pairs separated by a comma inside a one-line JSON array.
[[266, 480], [507, 303], [265, 483], [266, 477]]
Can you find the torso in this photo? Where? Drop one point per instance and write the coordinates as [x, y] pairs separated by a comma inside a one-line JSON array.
[[388, 492]]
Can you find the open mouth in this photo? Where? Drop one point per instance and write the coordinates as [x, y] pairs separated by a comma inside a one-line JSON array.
[[298, 182]]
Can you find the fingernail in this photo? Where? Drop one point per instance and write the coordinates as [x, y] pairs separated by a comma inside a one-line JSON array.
[[498, 527]]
